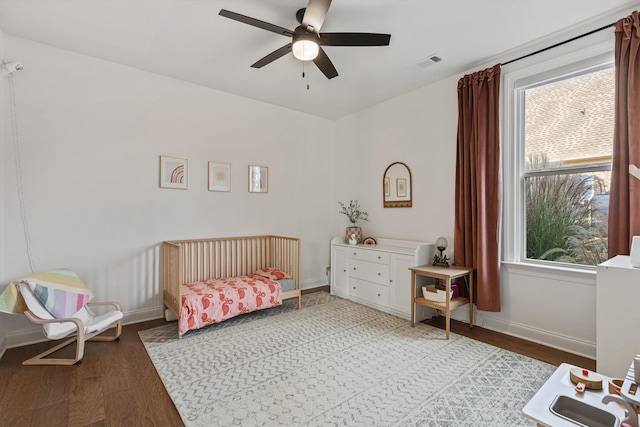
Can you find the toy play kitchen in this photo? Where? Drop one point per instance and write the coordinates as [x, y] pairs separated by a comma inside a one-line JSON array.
[[576, 396]]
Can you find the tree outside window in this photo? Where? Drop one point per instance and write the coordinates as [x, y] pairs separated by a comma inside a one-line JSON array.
[[568, 139]]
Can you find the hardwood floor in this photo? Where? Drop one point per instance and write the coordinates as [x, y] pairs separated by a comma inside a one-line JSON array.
[[516, 345], [117, 385]]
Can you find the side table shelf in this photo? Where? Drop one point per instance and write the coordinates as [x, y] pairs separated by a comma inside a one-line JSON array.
[[447, 274]]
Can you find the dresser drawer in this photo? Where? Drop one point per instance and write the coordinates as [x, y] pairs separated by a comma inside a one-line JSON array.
[[369, 255], [370, 292], [370, 271]]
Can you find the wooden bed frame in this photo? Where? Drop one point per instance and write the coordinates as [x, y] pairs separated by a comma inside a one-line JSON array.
[[186, 261]]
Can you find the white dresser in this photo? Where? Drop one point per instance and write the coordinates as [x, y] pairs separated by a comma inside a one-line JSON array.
[[378, 275], [617, 316]]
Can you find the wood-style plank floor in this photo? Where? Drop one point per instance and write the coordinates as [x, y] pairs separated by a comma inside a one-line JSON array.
[[117, 385]]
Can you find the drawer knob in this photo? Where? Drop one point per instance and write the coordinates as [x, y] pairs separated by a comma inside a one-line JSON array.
[[354, 269], [379, 274], [354, 254], [378, 294], [379, 257], [391, 280], [354, 287]]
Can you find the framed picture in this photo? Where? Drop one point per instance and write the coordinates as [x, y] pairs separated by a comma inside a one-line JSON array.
[[387, 190], [401, 187], [219, 176], [258, 179], [174, 172]]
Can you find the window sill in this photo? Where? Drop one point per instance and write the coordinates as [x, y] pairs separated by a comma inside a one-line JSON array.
[[577, 275]]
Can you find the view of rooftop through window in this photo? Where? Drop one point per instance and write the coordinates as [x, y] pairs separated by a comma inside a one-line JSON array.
[[568, 145]]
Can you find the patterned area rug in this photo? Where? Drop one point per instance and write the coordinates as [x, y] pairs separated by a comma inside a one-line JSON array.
[[336, 362]]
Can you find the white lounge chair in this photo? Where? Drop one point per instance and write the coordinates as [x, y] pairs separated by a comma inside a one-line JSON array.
[[85, 325]]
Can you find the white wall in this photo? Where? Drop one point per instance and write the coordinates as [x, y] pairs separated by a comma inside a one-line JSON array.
[[419, 129], [552, 307], [4, 136], [91, 133]]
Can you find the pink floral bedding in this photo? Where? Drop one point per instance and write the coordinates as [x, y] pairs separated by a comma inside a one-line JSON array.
[[211, 301]]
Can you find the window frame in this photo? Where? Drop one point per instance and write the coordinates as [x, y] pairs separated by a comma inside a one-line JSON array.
[[515, 80]]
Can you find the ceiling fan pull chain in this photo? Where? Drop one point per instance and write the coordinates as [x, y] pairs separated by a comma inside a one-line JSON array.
[[305, 74]]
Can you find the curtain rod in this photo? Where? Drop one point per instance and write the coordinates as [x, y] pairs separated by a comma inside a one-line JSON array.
[[558, 44]]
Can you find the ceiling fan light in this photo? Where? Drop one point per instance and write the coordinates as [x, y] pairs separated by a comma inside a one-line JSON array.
[[305, 48]]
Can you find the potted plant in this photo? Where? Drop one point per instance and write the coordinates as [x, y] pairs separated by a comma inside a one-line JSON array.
[[354, 213]]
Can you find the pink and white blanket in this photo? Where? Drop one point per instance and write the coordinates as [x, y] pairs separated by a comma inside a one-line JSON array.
[[212, 301]]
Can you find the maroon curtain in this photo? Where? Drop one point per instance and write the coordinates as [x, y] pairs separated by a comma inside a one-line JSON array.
[[478, 184], [624, 201]]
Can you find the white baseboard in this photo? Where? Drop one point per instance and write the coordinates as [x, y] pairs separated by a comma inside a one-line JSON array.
[[551, 339], [548, 338], [3, 346], [313, 283], [22, 338], [35, 335], [143, 315]]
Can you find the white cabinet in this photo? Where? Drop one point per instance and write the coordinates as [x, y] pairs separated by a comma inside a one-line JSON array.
[[339, 271], [378, 275], [400, 282], [617, 316]]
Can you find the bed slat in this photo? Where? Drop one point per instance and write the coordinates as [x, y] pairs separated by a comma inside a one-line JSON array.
[[185, 261]]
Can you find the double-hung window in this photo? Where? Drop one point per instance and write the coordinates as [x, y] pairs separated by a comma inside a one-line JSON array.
[[558, 166]]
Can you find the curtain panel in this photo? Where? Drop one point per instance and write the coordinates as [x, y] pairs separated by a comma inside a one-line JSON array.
[[624, 200], [478, 183]]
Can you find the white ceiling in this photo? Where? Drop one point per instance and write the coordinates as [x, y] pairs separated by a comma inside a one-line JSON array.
[[187, 40]]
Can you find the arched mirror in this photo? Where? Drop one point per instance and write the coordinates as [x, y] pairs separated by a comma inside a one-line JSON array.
[[396, 186]]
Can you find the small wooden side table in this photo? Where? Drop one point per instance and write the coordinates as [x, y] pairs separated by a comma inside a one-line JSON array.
[[447, 274]]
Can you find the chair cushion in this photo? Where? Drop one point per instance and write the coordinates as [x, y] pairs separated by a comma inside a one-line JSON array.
[[54, 331], [103, 321], [92, 323]]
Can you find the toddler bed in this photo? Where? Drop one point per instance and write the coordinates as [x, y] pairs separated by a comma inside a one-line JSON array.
[[206, 281]]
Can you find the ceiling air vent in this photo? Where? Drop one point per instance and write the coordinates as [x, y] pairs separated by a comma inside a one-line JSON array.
[[431, 59]]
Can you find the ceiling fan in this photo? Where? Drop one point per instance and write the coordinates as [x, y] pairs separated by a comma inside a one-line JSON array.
[[307, 40]]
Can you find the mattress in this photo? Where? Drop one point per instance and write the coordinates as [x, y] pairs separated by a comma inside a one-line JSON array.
[[287, 284], [211, 301]]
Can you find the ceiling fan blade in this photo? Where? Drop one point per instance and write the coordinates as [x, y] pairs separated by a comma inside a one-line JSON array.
[[354, 39], [325, 65], [315, 14], [255, 22], [272, 56]]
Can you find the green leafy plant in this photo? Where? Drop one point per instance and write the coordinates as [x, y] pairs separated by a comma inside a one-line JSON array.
[[353, 212], [563, 223]]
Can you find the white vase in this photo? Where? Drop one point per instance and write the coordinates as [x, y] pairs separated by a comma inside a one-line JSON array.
[[353, 230]]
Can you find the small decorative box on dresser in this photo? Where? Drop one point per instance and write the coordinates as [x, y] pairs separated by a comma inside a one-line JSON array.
[[377, 275]]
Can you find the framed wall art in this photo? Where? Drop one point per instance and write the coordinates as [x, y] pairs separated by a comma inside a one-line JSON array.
[[401, 187], [174, 172], [258, 179], [219, 176]]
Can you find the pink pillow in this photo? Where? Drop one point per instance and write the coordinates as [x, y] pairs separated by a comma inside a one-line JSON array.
[[272, 273]]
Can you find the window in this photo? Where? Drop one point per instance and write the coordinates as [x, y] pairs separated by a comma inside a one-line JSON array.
[[563, 138]]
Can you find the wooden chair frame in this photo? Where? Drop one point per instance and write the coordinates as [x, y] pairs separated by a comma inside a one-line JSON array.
[[80, 338]]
